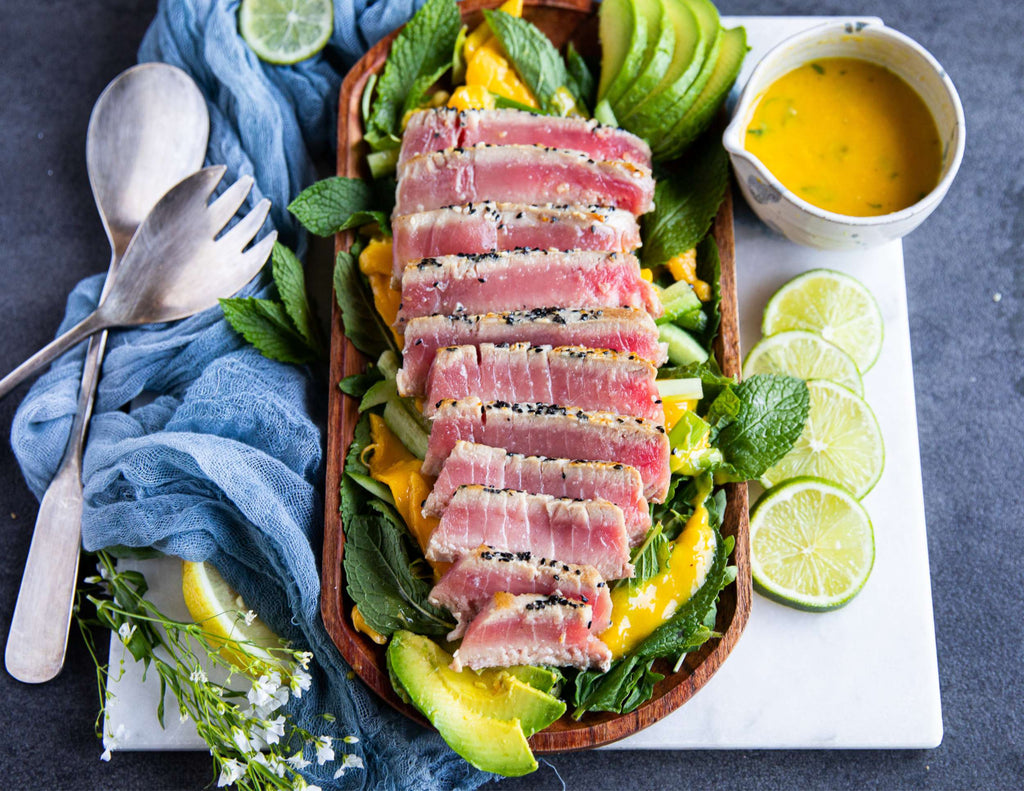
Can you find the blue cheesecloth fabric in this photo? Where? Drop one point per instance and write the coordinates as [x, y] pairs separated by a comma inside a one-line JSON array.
[[225, 464]]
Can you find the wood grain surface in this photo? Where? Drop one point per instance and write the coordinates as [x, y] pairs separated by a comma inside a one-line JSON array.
[[561, 21]]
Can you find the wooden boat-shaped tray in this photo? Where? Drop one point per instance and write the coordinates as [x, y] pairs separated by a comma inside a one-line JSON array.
[[561, 21]]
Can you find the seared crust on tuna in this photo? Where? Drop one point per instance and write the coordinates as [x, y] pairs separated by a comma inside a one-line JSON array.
[[532, 630], [492, 227], [584, 532], [474, 579], [619, 329], [594, 379], [556, 431], [520, 174], [436, 130], [471, 463], [524, 280]]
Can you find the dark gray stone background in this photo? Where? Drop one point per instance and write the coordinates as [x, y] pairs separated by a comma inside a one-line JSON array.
[[57, 55]]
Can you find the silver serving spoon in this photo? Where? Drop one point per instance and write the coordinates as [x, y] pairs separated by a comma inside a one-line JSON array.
[[148, 130], [161, 279]]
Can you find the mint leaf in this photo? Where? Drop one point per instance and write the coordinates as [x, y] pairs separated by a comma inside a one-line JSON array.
[[291, 285], [709, 269], [361, 218], [422, 49], [356, 385], [766, 414], [378, 575], [686, 200], [265, 324], [534, 56], [362, 323], [323, 208], [647, 558], [628, 683]]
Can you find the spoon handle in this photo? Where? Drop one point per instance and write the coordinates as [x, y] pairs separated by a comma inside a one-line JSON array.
[[86, 327]]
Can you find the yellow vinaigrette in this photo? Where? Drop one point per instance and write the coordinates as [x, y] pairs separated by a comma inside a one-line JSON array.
[[847, 136], [638, 610]]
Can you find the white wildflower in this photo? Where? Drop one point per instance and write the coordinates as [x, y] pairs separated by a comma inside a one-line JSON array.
[[105, 756], [198, 676], [303, 658], [104, 574], [242, 742], [113, 741], [250, 616], [93, 580], [273, 730], [351, 740], [324, 750], [297, 761], [264, 690], [300, 682], [125, 632], [230, 772], [183, 715], [350, 762], [276, 765]]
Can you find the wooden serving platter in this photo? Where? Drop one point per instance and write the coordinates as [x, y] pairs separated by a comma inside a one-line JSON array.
[[561, 21]]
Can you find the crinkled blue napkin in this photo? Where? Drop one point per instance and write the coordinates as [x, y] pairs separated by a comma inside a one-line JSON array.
[[226, 464]]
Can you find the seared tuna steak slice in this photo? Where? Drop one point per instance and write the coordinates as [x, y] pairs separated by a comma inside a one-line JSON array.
[[492, 227], [532, 630], [585, 532], [560, 432], [471, 583], [619, 329], [520, 174], [436, 130], [523, 280], [470, 463], [594, 379]]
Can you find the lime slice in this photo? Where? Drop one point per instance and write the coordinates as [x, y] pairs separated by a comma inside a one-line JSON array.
[[811, 545], [286, 31], [247, 643], [841, 442], [806, 355], [835, 306]]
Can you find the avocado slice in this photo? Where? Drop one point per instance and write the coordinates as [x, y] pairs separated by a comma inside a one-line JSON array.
[[623, 33], [543, 678], [661, 44], [702, 111], [484, 717], [695, 29]]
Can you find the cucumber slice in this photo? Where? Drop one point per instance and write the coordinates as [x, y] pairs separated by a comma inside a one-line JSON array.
[[678, 300], [697, 40], [704, 108], [661, 45], [683, 348], [604, 114], [623, 33], [681, 388]]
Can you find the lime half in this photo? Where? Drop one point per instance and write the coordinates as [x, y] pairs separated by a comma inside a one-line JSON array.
[[811, 545], [841, 442], [286, 31], [805, 355], [835, 306]]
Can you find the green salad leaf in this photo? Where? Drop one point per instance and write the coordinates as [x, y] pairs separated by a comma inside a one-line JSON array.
[[328, 206], [709, 269], [757, 422], [686, 200], [361, 322], [533, 55], [291, 285], [421, 52], [582, 84]]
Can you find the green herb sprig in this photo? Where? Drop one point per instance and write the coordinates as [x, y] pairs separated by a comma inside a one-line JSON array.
[[253, 743]]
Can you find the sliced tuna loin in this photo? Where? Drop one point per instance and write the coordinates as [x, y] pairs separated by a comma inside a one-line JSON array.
[[595, 379], [471, 583], [492, 227], [523, 280], [619, 329], [560, 432], [470, 463], [520, 174], [436, 130], [532, 630], [585, 532]]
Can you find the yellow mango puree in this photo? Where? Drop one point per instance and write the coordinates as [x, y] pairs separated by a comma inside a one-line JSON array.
[[393, 465], [375, 263], [847, 136], [638, 610]]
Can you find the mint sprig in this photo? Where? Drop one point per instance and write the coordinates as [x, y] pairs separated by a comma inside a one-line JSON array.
[[285, 331]]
